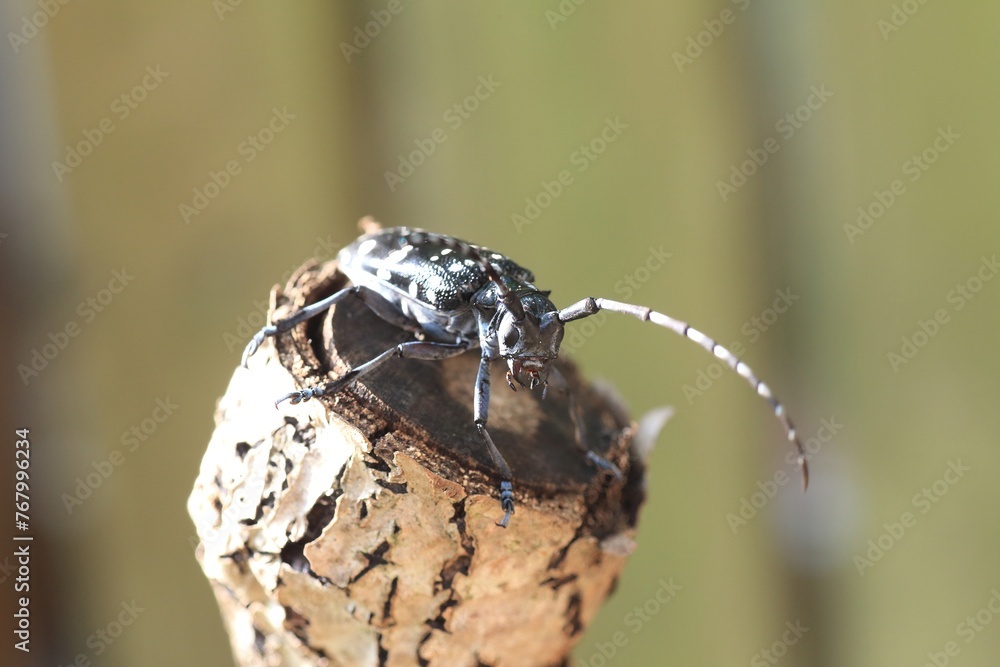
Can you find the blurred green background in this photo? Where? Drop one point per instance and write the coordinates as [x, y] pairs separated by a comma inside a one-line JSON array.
[[840, 158]]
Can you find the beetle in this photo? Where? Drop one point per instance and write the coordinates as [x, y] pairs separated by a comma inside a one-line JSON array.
[[459, 296]]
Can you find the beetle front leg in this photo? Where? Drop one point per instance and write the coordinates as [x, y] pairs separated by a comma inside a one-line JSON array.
[[482, 409]]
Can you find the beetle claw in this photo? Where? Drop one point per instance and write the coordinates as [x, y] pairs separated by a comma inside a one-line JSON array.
[[510, 381]]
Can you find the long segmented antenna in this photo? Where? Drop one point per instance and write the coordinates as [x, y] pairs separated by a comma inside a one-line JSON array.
[[511, 301], [591, 306]]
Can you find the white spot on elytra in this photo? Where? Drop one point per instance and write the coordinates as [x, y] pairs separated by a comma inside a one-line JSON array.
[[496, 256], [366, 246], [399, 255], [414, 288], [435, 258], [446, 251], [383, 274], [456, 267]]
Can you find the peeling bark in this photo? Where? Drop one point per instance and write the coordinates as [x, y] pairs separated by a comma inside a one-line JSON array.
[[360, 529]]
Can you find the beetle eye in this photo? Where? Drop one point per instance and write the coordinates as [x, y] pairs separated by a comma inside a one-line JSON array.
[[510, 337]]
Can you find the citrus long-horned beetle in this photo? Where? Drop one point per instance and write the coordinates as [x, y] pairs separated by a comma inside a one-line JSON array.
[[460, 297]]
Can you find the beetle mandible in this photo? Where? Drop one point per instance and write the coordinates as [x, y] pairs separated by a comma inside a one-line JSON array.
[[461, 296]]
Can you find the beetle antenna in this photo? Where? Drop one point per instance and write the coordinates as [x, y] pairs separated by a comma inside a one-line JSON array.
[[591, 306]]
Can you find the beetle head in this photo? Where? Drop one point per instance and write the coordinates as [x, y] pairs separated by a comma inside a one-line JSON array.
[[531, 343]]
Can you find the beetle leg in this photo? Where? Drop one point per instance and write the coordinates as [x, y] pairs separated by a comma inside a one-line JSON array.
[[410, 350], [482, 409], [306, 313], [375, 302], [558, 383]]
